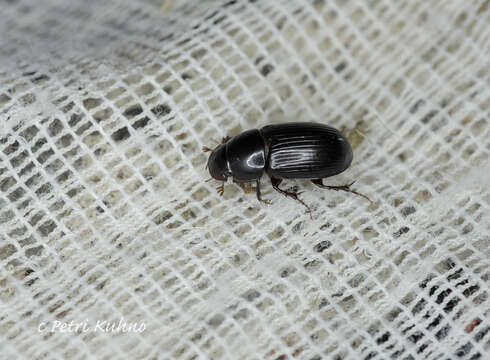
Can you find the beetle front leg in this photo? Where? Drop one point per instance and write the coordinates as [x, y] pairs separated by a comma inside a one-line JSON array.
[[221, 188], [319, 183], [275, 184]]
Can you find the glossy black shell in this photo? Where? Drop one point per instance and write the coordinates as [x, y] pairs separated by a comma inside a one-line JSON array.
[[305, 151], [245, 154]]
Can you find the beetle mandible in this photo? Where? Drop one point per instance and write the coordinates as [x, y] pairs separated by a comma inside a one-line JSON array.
[[297, 150]]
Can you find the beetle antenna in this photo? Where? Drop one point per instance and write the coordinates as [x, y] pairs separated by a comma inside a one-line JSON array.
[[208, 149], [208, 179]]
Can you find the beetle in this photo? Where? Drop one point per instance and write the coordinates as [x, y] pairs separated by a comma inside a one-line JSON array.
[[297, 150]]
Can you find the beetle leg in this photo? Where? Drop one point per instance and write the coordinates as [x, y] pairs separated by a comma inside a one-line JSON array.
[[275, 184], [221, 188], [319, 183], [259, 197], [225, 139]]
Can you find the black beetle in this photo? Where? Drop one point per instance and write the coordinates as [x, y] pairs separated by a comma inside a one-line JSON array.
[[284, 151]]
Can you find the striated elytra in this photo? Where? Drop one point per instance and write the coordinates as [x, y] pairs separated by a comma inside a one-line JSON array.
[[296, 150]]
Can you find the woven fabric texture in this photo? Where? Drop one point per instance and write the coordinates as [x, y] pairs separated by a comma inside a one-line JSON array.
[[114, 246]]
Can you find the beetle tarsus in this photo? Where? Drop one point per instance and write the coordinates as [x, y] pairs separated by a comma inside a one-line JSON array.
[[206, 149], [275, 184], [319, 183]]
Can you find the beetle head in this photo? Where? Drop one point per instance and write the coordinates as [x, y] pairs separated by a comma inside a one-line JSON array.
[[218, 164]]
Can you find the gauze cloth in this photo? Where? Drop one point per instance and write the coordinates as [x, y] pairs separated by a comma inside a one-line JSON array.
[[113, 245]]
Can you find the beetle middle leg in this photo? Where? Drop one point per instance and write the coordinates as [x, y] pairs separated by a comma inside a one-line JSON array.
[[259, 197], [275, 184], [319, 183]]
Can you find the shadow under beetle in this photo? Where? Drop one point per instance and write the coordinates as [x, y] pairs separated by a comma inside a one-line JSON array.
[[297, 150]]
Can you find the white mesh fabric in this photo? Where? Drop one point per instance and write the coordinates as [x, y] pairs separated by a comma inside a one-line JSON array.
[[105, 213]]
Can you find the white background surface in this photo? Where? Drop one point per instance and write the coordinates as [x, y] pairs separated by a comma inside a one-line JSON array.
[[106, 215]]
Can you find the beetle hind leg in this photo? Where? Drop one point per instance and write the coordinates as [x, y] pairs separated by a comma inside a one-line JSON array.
[[275, 184], [319, 183]]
